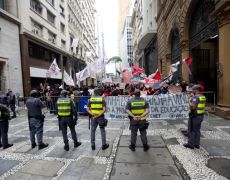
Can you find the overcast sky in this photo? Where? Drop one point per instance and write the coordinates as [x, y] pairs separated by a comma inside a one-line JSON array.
[[108, 10]]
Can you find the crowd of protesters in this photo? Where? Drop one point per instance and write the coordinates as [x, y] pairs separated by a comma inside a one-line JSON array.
[[50, 93]]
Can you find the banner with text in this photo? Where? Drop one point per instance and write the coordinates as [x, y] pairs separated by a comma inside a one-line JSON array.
[[164, 106]]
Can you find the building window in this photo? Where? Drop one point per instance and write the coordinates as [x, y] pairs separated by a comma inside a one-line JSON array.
[[36, 51], [51, 2], [61, 9], [36, 6], [36, 28], [62, 27], [2, 4], [63, 44], [51, 37], [50, 17]]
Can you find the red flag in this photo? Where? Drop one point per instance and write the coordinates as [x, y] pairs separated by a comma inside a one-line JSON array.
[[186, 63], [126, 75], [137, 70], [151, 81], [157, 75], [188, 60]]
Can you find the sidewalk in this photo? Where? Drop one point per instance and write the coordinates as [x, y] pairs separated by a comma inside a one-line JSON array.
[[166, 159]]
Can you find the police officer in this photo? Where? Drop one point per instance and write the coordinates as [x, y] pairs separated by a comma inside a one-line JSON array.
[[66, 111], [35, 119], [12, 101], [137, 109], [4, 126], [96, 107], [196, 115]]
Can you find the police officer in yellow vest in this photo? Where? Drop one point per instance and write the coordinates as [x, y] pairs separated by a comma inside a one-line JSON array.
[[196, 115], [137, 109], [65, 114], [96, 108]]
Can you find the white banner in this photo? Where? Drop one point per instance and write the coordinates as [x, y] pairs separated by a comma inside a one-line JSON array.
[[54, 69], [67, 79], [163, 106]]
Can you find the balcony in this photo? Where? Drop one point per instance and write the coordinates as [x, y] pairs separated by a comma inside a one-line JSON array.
[[145, 38]]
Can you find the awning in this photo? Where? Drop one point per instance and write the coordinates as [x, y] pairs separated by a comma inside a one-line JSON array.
[[42, 73], [145, 39]]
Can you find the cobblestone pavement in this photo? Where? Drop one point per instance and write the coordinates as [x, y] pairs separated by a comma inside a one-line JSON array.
[[166, 159]]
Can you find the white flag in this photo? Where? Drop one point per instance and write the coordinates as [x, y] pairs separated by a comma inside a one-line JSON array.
[[82, 75], [78, 78], [97, 66], [75, 42], [54, 69], [67, 79], [85, 73], [174, 67]]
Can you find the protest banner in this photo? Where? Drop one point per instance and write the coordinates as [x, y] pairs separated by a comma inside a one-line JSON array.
[[163, 106]]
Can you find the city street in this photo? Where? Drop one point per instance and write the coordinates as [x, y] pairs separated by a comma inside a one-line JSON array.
[[166, 159]]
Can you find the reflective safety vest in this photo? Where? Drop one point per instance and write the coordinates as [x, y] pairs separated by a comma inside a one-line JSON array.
[[201, 105], [64, 107], [138, 108], [96, 105]]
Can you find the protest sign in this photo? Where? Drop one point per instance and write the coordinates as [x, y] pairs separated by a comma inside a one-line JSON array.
[[163, 106]]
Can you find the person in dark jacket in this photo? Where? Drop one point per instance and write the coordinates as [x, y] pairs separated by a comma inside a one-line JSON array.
[[4, 125]]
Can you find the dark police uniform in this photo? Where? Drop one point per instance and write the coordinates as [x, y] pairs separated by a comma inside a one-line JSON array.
[[36, 121], [4, 126], [96, 104], [66, 111], [137, 106], [195, 119]]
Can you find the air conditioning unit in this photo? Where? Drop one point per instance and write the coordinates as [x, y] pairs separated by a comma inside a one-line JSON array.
[[35, 31], [52, 40]]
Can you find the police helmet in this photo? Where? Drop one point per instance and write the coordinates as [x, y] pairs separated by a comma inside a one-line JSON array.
[[34, 93]]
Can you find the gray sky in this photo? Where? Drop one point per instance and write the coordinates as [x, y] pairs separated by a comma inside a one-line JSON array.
[[109, 13]]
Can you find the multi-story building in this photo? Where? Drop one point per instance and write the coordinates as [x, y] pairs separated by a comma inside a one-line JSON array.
[[10, 56], [199, 29], [82, 25], [126, 49], [144, 34], [48, 30]]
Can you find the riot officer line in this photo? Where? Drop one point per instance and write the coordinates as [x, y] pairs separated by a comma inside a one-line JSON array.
[[137, 109]]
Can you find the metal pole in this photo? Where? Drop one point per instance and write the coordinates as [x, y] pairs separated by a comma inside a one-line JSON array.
[[89, 122]]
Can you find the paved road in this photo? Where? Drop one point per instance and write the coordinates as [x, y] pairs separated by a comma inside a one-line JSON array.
[[166, 159]]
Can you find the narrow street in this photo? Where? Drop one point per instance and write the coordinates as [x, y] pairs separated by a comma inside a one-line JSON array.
[[166, 159]]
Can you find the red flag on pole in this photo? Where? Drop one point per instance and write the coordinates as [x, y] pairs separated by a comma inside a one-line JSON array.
[[137, 70], [157, 75], [186, 63]]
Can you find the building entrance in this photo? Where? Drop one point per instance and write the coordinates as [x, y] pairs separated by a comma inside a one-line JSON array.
[[203, 45]]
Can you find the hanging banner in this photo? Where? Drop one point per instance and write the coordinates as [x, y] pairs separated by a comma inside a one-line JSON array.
[[163, 106]]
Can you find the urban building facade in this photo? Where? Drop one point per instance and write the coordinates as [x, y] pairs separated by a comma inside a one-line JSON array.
[[48, 30], [124, 7], [10, 56], [126, 49], [199, 29], [144, 35]]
